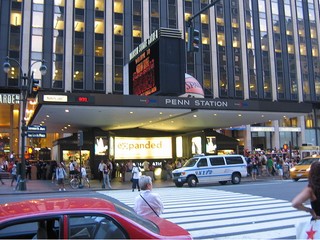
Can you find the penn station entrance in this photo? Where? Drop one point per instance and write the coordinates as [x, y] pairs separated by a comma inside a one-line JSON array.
[[161, 151]]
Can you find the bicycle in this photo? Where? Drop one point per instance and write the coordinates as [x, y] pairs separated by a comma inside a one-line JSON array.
[[76, 182]]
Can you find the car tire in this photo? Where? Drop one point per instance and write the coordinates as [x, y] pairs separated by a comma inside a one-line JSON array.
[[236, 178], [178, 184], [296, 179], [192, 181], [223, 182]]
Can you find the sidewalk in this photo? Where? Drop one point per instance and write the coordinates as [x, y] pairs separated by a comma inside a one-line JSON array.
[[46, 186]]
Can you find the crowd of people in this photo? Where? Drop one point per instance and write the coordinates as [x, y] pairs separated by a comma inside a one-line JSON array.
[[275, 163]]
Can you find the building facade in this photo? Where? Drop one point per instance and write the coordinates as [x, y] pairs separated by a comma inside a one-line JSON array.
[[250, 49]]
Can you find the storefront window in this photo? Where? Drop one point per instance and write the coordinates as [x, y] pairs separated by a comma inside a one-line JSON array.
[[70, 155], [179, 150], [211, 145], [196, 145], [101, 146]]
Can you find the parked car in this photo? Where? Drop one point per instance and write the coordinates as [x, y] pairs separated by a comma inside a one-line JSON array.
[[210, 169], [85, 218], [301, 170]]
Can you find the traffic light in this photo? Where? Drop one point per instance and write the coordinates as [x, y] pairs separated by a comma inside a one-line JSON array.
[[34, 87], [193, 39], [196, 40]]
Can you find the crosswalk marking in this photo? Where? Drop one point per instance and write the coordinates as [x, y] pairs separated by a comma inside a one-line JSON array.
[[219, 214]]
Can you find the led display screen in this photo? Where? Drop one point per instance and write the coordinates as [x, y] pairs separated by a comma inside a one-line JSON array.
[[157, 67]]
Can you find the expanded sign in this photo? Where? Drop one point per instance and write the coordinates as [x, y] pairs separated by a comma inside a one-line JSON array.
[[143, 148]]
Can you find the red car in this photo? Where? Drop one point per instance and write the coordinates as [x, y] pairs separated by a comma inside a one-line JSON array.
[[81, 218]]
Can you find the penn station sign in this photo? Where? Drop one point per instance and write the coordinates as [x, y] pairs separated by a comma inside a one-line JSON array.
[[9, 98], [143, 148]]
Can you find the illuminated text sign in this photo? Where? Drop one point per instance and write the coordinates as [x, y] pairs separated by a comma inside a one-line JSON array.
[[143, 148]]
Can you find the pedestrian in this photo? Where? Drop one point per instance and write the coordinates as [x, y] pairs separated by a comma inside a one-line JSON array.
[[5, 164], [28, 168], [1, 180], [72, 169], [100, 170], [61, 175], [145, 166], [255, 168], [53, 168], [147, 203], [12, 156], [84, 175], [18, 174], [110, 169], [106, 176], [123, 170], [279, 167], [310, 192], [135, 177], [270, 166]]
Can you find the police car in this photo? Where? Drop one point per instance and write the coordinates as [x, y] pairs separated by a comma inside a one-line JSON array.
[[211, 169]]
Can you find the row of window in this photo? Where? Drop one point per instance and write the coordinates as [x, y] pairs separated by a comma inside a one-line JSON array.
[[261, 68]]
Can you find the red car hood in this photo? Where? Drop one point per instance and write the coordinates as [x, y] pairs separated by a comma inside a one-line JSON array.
[[168, 229]]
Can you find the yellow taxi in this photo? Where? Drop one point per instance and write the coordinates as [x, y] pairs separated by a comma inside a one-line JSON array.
[[301, 170]]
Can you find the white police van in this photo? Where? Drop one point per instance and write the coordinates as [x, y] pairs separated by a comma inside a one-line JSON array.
[[210, 169]]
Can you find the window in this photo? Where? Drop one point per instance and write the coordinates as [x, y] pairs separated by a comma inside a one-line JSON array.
[[202, 163], [217, 161], [234, 160], [94, 227], [46, 228]]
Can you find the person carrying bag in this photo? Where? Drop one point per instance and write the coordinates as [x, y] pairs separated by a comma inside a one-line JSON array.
[[309, 229]]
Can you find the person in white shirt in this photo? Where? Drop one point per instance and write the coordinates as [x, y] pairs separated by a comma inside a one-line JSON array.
[[135, 177], [71, 169], [100, 169], [148, 203]]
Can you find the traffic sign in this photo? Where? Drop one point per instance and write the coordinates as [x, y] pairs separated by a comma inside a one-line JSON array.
[[36, 135], [36, 128]]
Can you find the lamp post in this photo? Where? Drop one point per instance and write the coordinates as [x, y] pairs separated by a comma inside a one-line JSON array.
[[25, 88]]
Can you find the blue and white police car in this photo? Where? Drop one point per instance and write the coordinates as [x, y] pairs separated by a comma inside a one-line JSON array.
[[211, 169]]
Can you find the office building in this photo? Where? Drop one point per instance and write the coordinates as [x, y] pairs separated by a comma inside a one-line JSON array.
[[250, 50]]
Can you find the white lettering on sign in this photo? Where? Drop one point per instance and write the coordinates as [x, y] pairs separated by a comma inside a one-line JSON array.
[[196, 102], [55, 98], [144, 45], [8, 98], [143, 148], [177, 102], [211, 103]]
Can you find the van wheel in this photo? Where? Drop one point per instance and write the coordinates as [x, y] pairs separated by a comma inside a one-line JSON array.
[[178, 184], [192, 181], [236, 178], [296, 179], [223, 182]]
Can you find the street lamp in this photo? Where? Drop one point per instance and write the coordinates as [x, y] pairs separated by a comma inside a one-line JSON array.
[[25, 88]]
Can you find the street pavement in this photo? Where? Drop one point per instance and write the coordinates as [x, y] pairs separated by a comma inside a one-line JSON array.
[[46, 186], [216, 213]]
